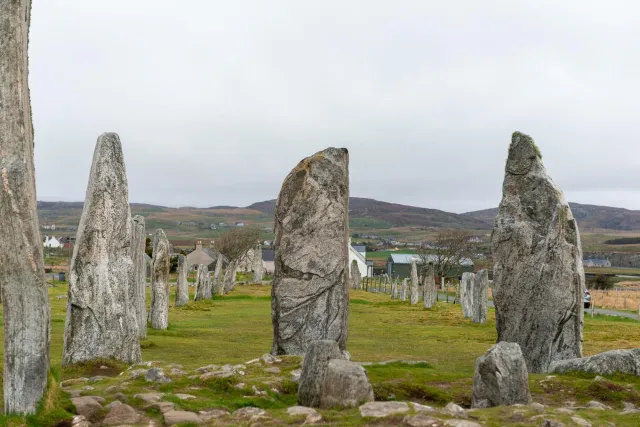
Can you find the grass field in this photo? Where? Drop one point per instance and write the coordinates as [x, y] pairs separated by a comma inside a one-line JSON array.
[[237, 328]]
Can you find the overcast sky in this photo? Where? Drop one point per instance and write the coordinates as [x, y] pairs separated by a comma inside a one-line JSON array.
[[216, 101]]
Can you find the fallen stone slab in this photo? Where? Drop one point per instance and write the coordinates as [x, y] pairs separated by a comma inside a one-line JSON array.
[[607, 363], [383, 409], [180, 417]]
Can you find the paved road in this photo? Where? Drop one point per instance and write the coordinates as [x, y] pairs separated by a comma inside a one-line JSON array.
[[443, 297]]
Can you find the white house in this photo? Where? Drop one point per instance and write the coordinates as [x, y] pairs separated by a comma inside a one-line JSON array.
[[52, 242], [358, 254]]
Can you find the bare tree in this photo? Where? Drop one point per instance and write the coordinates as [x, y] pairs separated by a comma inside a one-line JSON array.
[[236, 242], [450, 248]]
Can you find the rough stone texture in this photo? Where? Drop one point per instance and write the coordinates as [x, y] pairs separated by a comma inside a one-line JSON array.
[[403, 292], [219, 290], [413, 287], [480, 302], [86, 406], [394, 289], [180, 417], [101, 322], [138, 289], [258, 268], [160, 265], [182, 286], [501, 377], [430, 291], [607, 363], [421, 420], [121, 415], [356, 277], [346, 384], [203, 284], [383, 409], [314, 371], [454, 410], [24, 290], [466, 294], [310, 292], [229, 277], [538, 273]]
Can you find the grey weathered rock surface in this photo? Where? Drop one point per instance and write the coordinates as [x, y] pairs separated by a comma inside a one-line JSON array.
[[182, 285], [538, 273], [356, 277], [501, 377], [160, 265], [383, 409], [480, 301], [394, 288], [217, 287], [430, 292], [466, 294], [121, 415], [86, 406], [24, 294], [346, 384], [310, 292], [138, 289], [101, 322], [403, 290], [229, 277], [180, 417], [413, 286], [314, 371], [607, 363], [258, 268], [454, 410], [203, 284]]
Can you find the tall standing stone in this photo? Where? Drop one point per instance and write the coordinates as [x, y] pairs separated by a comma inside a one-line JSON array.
[[394, 288], [258, 268], [480, 297], [160, 266], [538, 273], [466, 294], [203, 284], [182, 286], [310, 293], [138, 289], [403, 293], [413, 289], [230, 276], [430, 291], [101, 320], [217, 285], [24, 290], [356, 277]]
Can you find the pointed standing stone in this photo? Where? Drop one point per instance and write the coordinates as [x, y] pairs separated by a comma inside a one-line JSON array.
[[182, 286], [403, 293], [138, 289], [480, 297], [538, 273], [356, 278], [258, 269], [466, 294], [160, 266], [430, 290], [217, 286], [101, 321], [230, 276], [203, 284], [24, 290], [310, 293], [413, 289]]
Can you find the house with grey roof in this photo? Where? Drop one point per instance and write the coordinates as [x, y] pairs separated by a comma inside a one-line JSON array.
[[399, 265]]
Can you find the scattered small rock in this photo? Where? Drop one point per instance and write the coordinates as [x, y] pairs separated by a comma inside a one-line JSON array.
[[300, 410], [149, 397], [185, 396], [461, 423], [80, 421], [383, 409], [206, 416], [312, 419], [565, 411], [114, 389], [240, 386], [156, 375], [121, 414], [251, 362], [98, 399], [72, 382], [97, 379], [552, 423], [180, 417], [538, 407], [454, 410], [421, 420], [581, 422], [208, 368], [162, 406], [138, 373], [421, 408], [113, 404], [86, 406], [88, 388], [175, 372], [268, 359], [597, 406], [248, 412], [295, 374]]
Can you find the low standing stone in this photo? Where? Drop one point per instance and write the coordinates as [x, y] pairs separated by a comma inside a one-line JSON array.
[[356, 277], [403, 294], [413, 290], [314, 370], [258, 269], [182, 287], [394, 289], [501, 377], [160, 265], [480, 297], [203, 284], [218, 288], [430, 295]]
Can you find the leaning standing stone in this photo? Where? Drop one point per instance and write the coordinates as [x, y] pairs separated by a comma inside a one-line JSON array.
[[203, 284], [501, 377], [182, 287], [310, 293], [24, 290], [160, 265], [101, 322], [413, 290], [466, 294], [430, 295], [480, 297], [258, 269], [218, 287], [538, 273], [138, 289]]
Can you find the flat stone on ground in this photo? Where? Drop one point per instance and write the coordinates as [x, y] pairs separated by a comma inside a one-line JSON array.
[[421, 420], [205, 416], [383, 409], [149, 397], [180, 417], [248, 412], [454, 410], [121, 415], [185, 396], [86, 406], [461, 423], [300, 410]]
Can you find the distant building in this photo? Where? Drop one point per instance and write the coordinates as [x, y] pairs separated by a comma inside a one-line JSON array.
[[239, 224], [269, 260], [52, 242], [359, 255], [597, 263], [399, 265], [199, 256], [51, 227]]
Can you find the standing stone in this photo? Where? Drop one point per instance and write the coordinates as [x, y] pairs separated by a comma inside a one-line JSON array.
[[413, 290], [430, 291], [466, 294], [501, 377], [480, 297], [24, 290], [101, 321], [538, 273], [356, 278], [230, 276], [258, 268], [160, 265], [403, 293], [138, 289], [203, 284], [394, 288], [217, 286], [182, 287], [310, 293]]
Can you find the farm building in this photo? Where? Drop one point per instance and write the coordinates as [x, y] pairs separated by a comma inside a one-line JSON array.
[[358, 254], [399, 265]]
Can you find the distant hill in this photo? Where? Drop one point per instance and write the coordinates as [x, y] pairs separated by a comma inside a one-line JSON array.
[[590, 217], [372, 213]]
